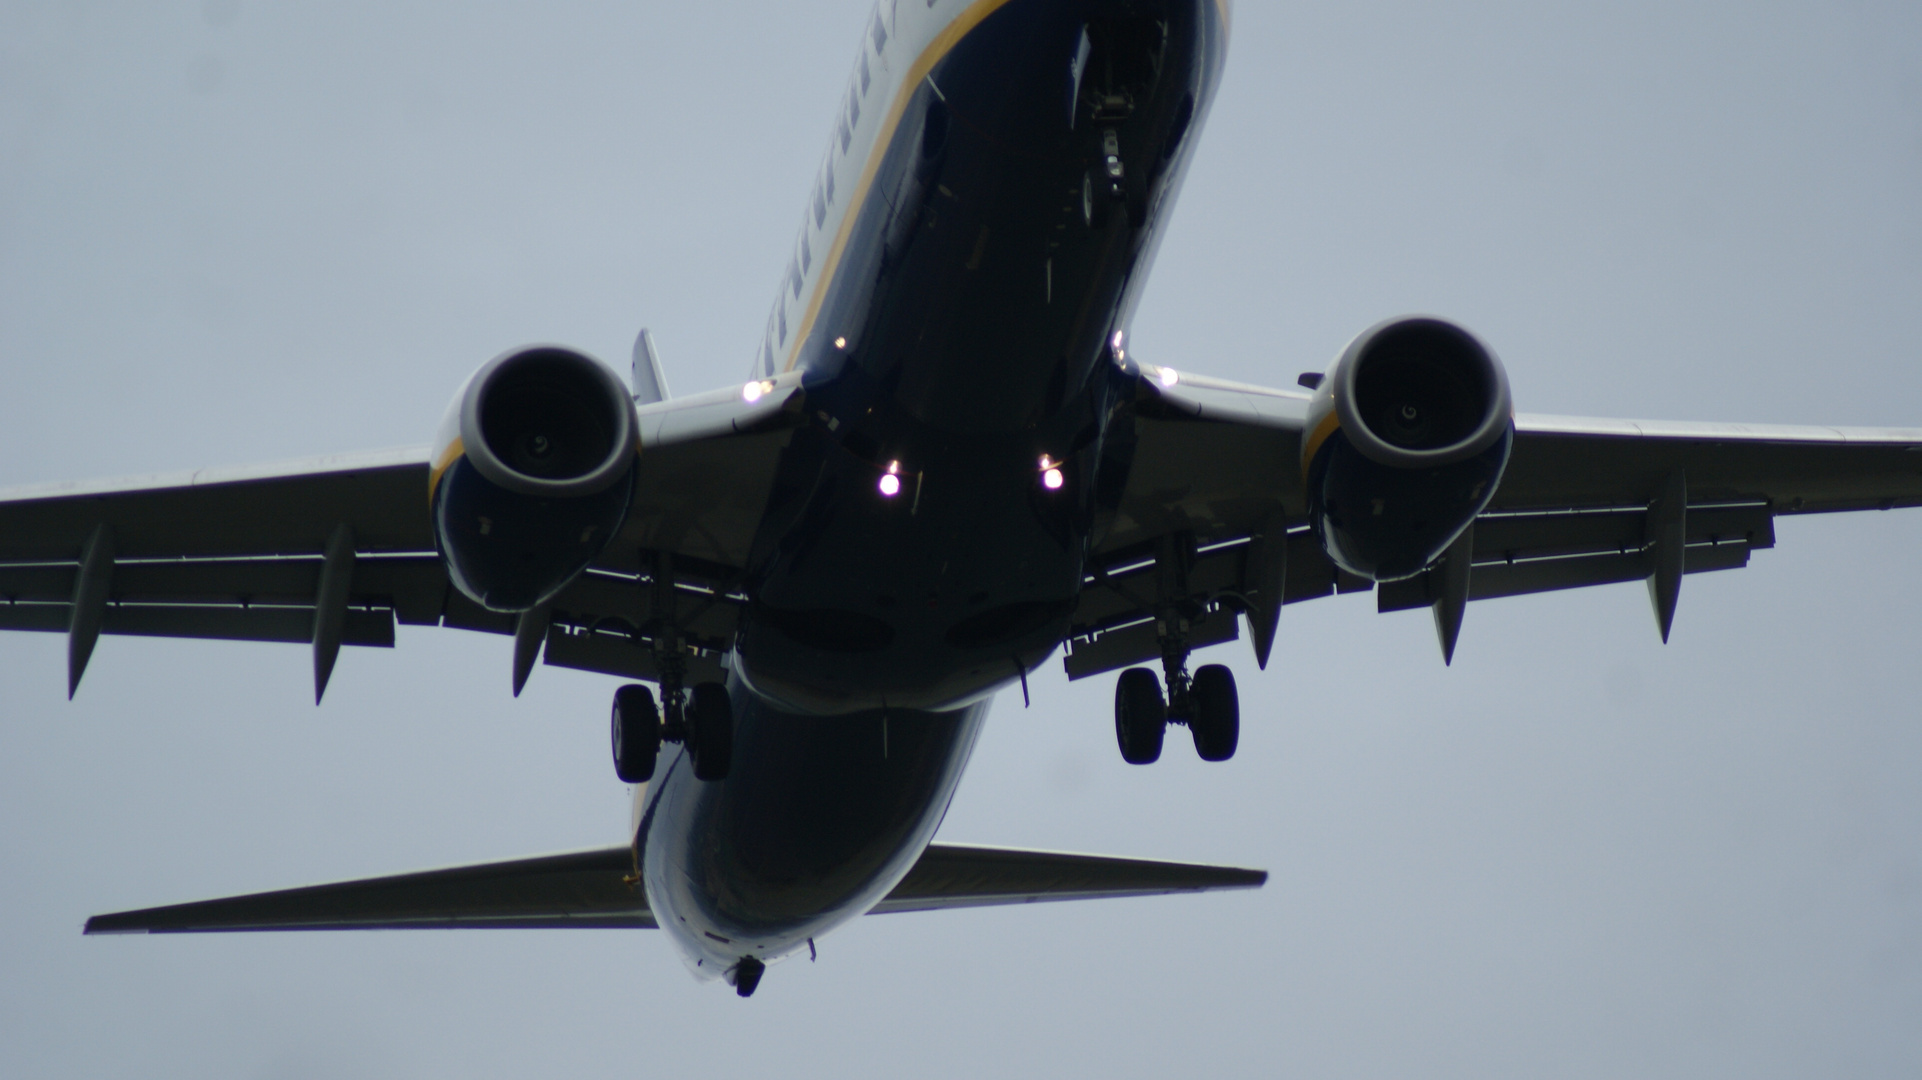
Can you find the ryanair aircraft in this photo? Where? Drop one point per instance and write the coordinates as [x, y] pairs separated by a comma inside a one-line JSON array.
[[944, 464]]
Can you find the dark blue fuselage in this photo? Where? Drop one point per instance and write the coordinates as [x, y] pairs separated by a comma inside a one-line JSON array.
[[960, 339]]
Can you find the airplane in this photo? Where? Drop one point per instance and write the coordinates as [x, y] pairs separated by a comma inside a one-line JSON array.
[[944, 465]]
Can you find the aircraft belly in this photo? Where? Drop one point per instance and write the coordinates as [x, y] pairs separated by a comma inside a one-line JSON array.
[[923, 540], [915, 551], [929, 599], [819, 818]]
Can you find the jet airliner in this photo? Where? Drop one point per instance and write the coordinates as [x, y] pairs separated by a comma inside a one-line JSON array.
[[944, 466]]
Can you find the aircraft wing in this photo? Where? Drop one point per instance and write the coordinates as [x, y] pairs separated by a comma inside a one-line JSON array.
[[594, 890], [243, 553], [1217, 467]]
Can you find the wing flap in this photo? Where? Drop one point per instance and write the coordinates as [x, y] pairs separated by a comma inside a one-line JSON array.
[[1529, 552], [246, 599]]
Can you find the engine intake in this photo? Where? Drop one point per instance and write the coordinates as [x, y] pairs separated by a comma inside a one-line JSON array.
[[1407, 438], [533, 472]]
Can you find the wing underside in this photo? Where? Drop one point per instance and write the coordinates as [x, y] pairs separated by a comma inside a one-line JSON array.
[[1211, 526], [596, 890], [1207, 522], [338, 550]]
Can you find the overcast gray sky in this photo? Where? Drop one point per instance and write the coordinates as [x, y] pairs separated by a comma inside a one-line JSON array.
[[236, 231]]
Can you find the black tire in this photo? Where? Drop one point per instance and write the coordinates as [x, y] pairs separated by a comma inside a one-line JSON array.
[[1095, 200], [1140, 716], [710, 731], [1216, 724], [637, 734]]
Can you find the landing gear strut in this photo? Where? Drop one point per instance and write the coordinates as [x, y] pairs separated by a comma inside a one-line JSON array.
[[1109, 184]]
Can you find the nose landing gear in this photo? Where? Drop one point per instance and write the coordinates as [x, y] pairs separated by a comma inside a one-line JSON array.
[[1109, 184]]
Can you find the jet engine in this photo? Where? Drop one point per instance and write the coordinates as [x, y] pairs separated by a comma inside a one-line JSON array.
[[1406, 439], [533, 469]]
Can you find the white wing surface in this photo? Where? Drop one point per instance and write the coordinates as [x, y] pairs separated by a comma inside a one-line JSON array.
[[335, 551], [1217, 467]]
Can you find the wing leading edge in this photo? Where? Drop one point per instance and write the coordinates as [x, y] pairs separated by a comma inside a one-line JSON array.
[[594, 890]]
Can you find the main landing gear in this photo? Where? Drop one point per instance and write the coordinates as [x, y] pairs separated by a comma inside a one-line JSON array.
[[704, 722], [1206, 702]]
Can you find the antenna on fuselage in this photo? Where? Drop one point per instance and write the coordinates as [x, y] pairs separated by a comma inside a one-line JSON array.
[[649, 381]]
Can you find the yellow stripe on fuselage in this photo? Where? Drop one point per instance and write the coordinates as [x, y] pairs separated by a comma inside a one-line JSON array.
[[447, 458], [1312, 444], [943, 43]]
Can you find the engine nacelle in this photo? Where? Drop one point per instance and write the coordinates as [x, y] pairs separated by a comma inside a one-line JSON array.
[[1407, 437], [533, 469]]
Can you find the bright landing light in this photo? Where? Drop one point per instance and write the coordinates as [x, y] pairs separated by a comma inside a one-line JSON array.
[[891, 481], [1169, 376], [1050, 474], [754, 391]]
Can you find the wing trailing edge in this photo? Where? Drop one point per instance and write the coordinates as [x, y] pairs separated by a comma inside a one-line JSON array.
[[594, 890]]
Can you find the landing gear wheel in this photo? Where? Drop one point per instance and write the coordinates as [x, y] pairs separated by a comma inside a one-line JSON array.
[[637, 734], [1095, 200], [1216, 723], [710, 731], [1140, 716]]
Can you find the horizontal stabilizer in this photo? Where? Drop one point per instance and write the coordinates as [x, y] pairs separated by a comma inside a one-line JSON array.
[[951, 876], [590, 889], [576, 889]]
